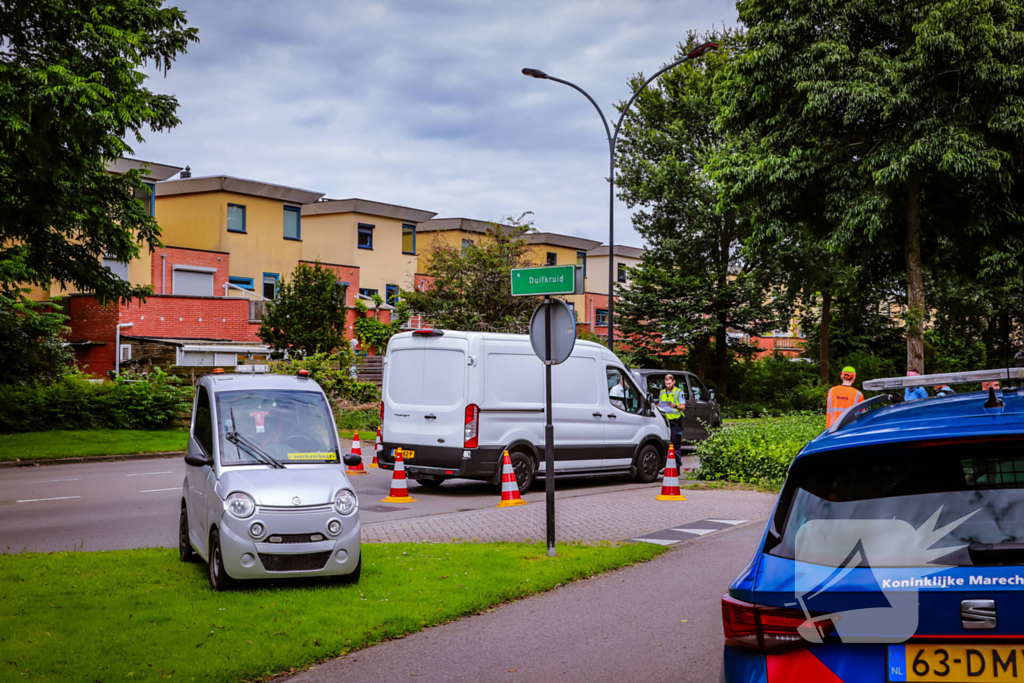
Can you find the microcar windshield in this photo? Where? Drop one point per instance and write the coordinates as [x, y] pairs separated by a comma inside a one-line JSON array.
[[292, 427]]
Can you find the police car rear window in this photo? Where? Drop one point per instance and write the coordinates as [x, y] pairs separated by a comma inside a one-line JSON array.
[[964, 502]]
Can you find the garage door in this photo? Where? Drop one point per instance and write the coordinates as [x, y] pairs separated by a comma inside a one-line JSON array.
[[193, 280]]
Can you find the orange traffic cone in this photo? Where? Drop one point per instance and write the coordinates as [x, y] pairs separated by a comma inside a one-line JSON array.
[[670, 485], [357, 450], [377, 447], [509, 487], [399, 488]]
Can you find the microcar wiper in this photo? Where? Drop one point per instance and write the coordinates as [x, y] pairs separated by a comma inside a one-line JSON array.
[[238, 440], [996, 553]]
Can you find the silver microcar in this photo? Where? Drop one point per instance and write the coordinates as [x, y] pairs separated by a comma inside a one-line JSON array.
[[265, 492]]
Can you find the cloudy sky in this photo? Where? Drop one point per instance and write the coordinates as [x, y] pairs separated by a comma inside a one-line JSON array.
[[421, 103]]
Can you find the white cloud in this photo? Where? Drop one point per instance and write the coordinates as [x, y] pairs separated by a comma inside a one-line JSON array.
[[421, 103]]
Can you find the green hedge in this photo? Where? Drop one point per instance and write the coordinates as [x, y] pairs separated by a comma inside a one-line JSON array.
[[129, 402], [758, 451]]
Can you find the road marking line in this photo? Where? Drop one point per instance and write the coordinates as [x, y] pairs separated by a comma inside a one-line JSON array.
[[146, 474], [655, 541], [176, 488], [38, 500], [699, 532], [730, 522], [47, 481]]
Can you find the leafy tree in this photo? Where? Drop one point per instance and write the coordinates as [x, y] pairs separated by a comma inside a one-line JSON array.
[[309, 314], [695, 282], [368, 328], [472, 288], [904, 119], [31, 346], [71, 91]]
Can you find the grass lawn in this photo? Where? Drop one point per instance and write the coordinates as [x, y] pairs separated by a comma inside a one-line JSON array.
[[142, 615], [85, 442]]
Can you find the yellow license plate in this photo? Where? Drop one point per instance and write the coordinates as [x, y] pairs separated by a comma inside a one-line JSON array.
[[406, 455], [953, 662]]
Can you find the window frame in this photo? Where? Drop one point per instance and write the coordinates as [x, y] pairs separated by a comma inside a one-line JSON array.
[[467, 243], [411, 226], [243, 231], [277, 285], [297, 210], [551, 259], [620, 272], [363, 291], [391, 295], [582, 255], [243, 282], [598, 316], [364, 229], [200, 395]]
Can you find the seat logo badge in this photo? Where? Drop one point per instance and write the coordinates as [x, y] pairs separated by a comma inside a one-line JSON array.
[[296, 501], [978, 614]]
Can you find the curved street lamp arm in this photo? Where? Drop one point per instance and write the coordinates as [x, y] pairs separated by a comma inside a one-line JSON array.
[[607, 130], [625, 110]]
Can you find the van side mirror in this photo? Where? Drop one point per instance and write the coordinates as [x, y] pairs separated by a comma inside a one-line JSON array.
[[652, 399], [352, 460], [198, 460]]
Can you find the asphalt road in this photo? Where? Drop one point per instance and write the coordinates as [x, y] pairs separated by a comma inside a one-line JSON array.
[[658, 621], [132, 504]]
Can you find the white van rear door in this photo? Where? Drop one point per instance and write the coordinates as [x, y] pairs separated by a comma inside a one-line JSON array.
[[426, 392]]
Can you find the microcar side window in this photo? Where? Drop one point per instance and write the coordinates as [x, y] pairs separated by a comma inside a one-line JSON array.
[[203, 430]]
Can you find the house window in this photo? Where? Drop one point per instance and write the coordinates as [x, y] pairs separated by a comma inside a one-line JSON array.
[[365, 236], [601, 317], [189, 280], [270, 282], [552, 258], [236, 219], [126, 353], [391, 295], [408, 239], [116, 268], [621, 272], [368, 292], [581, 260], [292, 223], [147, 195], [243, 282], [466, 244]]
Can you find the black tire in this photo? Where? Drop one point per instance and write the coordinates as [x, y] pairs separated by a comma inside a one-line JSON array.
[[350, 579], [430, 483], [185, 551], [648, 464], [219, 579], [522, 465]]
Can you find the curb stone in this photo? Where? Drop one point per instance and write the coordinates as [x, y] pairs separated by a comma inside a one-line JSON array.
[[91, 458]]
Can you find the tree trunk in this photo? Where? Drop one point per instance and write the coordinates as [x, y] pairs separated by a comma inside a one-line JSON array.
[[721, 331], [915, 280], [823, 331], [703, 349], [721, 355]]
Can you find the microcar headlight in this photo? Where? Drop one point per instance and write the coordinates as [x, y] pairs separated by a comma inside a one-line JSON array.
[[345, 502], [239, 505]]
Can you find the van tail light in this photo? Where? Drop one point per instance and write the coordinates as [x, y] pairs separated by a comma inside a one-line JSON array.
[[769, 629], [382, 412], [472, 426]]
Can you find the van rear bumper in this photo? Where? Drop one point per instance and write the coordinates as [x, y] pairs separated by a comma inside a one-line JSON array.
[[443, 461]]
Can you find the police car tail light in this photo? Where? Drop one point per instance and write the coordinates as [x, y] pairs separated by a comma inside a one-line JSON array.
[[768, 629], [472, 426]]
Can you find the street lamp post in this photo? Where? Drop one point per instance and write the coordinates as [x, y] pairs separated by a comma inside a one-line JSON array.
[[612, 138]]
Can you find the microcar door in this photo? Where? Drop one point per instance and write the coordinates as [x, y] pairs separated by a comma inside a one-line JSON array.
[[201, 479]]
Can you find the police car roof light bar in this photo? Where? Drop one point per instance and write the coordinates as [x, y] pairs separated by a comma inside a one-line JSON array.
[[972, 377]]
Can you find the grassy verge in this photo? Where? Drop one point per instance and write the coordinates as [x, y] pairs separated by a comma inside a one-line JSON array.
[[88, 442], [142, 615], [77, 443]]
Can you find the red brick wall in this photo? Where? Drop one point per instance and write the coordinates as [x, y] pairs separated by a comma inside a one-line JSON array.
[[189, 257], [349, 274], [191, 317], [594, 302], [423, 282], [95, 323]]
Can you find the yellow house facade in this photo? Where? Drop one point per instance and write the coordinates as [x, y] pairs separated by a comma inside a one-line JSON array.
[[382, 240], [597, 264]]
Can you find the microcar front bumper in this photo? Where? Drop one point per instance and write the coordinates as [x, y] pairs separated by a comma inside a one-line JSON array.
[[302, 543]]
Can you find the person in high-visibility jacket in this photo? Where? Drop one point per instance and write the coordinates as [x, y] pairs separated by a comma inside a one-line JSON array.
[[842, 397], [673, 402]]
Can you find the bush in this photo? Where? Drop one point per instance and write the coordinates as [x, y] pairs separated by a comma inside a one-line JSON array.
[[129, 402], [774, 385], [757, 452], [364, 417], [332, 372]]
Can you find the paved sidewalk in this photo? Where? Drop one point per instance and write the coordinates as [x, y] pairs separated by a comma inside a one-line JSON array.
[[611, 516]]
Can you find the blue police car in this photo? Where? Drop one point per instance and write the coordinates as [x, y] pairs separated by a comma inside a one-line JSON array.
[[896, 548]]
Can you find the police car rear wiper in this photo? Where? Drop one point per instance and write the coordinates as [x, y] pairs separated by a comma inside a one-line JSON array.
[[238, 440], [996, 553]]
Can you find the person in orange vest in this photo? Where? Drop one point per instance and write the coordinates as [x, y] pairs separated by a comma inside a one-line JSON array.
[[842, 397]]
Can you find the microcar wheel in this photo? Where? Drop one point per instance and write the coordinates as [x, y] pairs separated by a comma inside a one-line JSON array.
[[185, 552], [350, 579], [219, 579], [647, 465], [522, 465]]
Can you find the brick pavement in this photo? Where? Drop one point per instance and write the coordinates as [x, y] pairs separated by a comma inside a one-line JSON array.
[[611, 516]]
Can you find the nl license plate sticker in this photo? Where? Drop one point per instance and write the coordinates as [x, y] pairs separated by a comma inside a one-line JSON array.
[[956, 662], [406, 455]]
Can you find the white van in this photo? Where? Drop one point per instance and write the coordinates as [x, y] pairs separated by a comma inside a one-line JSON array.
[[454, 401]]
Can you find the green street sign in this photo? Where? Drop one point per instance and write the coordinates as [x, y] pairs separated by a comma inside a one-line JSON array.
[[544, 280]]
